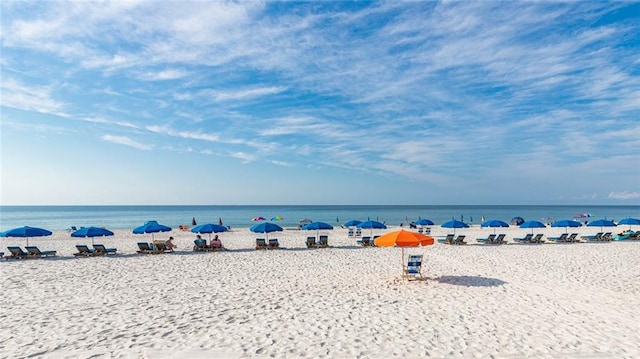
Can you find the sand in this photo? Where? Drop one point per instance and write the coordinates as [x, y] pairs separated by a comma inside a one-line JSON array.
[[510, 301]]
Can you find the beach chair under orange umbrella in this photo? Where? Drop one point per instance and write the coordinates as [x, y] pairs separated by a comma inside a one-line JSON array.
[[403, 239]]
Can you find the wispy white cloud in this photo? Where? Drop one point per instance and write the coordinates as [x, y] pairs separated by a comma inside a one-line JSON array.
[[169, 74], [625, 195], [244, 94], [126, 141], [31, 98]]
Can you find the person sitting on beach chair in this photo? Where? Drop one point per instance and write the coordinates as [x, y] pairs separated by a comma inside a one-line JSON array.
[[216, 244], [169, 244]]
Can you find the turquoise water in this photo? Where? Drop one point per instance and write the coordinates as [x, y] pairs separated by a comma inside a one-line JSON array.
[[128, 217]]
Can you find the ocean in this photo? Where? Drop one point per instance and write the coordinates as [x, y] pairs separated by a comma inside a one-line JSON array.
[[128, 217]]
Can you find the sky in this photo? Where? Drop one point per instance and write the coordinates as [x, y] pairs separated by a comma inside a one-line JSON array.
[[416, 103]]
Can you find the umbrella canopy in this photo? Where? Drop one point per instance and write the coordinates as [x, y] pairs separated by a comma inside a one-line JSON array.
[[258, 218], [316, 226], [352, 223], [277, 218], [454, 224], [209, 228], [26, 232], [532, 225], [601, 223], [516, 221], [494, 223], [424, 222], [266, 227], [372, 225], [305, 221], [92, 232], [630, 221], [193, 221], [566, 223], [403, 239], [151, 227]]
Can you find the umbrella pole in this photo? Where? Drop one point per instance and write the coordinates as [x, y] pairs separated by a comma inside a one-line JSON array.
[[402, 264]]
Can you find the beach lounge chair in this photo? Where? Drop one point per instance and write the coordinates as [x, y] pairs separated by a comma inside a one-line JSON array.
[[351, 233], [147, 248], [447, 240], [160, 247], [83, 251], [358, 232], [373, 241], [500, 239], [593, 237], [537, 238], [364, 241], [200, 245], [273, 243], [413, 269], [459, 240], [311, 242], [1, 254], [101, 250], [427, 230], [623, 236], [216, 245], [488, 239], [560, 238], [573, 238], [607, 237], [261, 243], [421, 230], [526, 239], [35, 252], [16, 253], [323, 241]]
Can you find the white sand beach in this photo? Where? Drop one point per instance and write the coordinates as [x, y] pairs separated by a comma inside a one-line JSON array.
[[511, 301]]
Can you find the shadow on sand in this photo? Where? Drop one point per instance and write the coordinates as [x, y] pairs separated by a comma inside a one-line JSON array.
[[469, 281]]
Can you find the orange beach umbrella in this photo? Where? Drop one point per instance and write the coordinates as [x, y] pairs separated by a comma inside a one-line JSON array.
[[403, 239]]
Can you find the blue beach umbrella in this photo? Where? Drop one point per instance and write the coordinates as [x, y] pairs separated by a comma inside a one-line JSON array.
[[532, 225], [371, 225], [151, 227], [26, 232], [317, 226], [266, 227], [209, 228], [424, 222], [630, 221], [92, 232], [566, 223], [454, 223], [601, 223], [494, 223], [352, 223]]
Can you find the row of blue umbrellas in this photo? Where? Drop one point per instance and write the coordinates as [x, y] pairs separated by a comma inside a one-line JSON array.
[[268, 227]]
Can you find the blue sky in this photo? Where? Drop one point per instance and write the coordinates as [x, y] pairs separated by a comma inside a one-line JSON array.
[[474, 102]]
